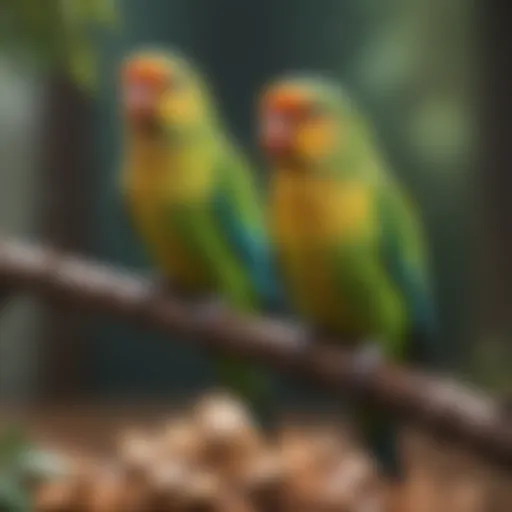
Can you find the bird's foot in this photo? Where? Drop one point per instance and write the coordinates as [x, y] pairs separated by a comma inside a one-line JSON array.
[[368, 358], [161, 286], [306, 334], [208, 307]]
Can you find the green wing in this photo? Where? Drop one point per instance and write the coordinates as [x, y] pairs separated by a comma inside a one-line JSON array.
[[403, 254], [205, 231], [238, 213], [374, 308]]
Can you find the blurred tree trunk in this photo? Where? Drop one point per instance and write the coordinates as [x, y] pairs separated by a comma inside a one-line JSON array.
[[495, 182], [66, 203], [497, 128], [20, 104]]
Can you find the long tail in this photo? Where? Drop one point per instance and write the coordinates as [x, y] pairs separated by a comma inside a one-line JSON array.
[[250, 382], [381, 435], [380, 429], [425, 349]]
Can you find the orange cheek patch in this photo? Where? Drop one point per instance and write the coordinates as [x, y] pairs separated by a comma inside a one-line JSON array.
[[145, 73], [316, 138]]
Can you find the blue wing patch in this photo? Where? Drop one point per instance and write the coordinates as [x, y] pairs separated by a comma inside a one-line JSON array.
[[253, 250], [413, 284]]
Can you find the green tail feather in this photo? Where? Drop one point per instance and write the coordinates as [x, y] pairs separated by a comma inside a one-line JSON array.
[[249, 382], [381, 436]]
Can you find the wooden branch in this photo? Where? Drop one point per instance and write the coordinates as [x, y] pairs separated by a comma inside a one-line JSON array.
[[444, 407]]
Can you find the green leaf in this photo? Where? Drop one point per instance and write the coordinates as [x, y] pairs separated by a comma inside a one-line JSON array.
[[13, 498], [82, 65], [102, 11], [13, 444], [42, 464], [59, 33]]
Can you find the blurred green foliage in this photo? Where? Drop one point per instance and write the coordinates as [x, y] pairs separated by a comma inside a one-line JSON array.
[[490, 365], [20, 462], [57, 33], [13, 441]]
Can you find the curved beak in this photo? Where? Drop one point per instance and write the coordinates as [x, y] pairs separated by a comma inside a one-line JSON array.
[[140, 101], [277, 134]]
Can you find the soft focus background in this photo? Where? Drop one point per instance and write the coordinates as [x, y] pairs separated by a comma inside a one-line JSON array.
[[413, 64]]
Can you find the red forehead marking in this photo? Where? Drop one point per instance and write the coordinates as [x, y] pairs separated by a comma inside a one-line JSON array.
[[285, 100], [144, 71]]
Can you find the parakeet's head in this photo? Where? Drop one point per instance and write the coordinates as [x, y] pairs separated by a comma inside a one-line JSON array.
[[305, 120], [162, 94]]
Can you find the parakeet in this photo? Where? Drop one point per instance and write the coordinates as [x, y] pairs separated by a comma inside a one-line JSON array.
[[192, 196], [348, 241]]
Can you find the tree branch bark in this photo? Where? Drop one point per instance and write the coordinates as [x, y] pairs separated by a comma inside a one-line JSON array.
[[446, 408]]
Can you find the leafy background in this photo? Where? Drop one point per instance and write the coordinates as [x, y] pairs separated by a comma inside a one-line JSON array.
[[412, 64]]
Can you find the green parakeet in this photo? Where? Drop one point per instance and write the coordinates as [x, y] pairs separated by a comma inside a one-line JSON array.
[[192, 197], [348, 241]]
